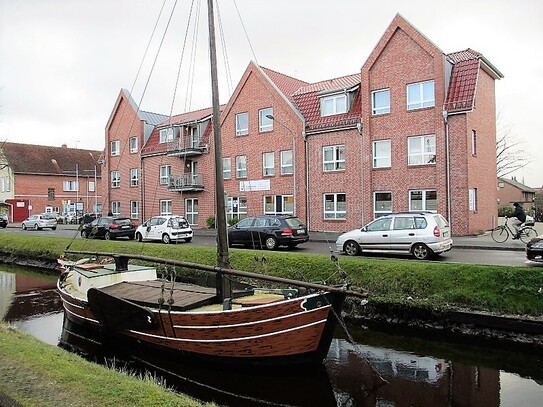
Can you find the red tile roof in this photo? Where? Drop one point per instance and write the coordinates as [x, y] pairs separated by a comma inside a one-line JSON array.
[[286, 84], [47, 160]]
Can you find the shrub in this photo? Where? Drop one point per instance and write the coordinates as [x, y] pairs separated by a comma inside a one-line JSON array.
[[210, 222], [505, 211]]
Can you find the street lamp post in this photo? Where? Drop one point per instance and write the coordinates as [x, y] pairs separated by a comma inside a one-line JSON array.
[[269, 116]]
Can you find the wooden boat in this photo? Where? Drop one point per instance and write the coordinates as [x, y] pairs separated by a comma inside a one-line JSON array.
[[292, 326]]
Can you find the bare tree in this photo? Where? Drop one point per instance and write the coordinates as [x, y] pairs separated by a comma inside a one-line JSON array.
[[511, 153]]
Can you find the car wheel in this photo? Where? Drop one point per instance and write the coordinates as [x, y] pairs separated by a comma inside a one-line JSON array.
[[166, 238], [271, 243], [54, 228], [139, 237], [351, 248], [36, 227], [107, 236], [24, 226], [84, 234], [421, 251], [188, 240]]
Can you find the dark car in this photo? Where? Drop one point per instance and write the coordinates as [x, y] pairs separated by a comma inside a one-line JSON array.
[[3, 220], [269, 231], [534, 249], [109, 227]]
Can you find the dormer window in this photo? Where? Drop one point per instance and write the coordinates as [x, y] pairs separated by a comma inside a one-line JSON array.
[[167, 135], [333, 104]]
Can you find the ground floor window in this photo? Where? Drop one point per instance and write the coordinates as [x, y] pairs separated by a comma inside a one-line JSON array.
[[191, 210], [423, 200], [236, 207], [116, 208], [472, 199], [278, 204], [166, 207], [382, 203], [134, 210], [335, 206]]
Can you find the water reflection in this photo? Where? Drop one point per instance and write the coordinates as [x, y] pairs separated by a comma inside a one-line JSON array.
[[379, 369]]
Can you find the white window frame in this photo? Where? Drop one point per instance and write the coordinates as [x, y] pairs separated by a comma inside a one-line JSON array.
[[379, 106], [134, 210], [421, 150], [424, 200], [472, 199], [134, 179], [236, 207], [116, 208], [420, 95], [383, 209], [226, 168], [268, 164], [165, 172], [241, 166], [334, 104], [335, 206], [115, 179], [337, 161], [70, 186], [242, 124], [278, 204], [287, 162], [166, 135], [92, 186], [166, 207], [115, 148], [264, 123], [133, 144], [382, 154], [191, 210]]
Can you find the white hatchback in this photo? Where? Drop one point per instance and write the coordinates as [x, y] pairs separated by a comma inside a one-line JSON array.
[[422, 234], [166, 229]]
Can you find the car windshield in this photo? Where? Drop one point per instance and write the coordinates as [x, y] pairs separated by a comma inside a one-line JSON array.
[[294, 222], [47, 216], [441, 221], [123, 221], [178, 223]]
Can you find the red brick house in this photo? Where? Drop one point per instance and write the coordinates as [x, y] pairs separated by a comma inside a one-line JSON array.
[[37, 179], [414, 130], [510, 191]]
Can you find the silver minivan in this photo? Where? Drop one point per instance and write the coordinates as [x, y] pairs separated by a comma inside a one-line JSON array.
[[421, 234]]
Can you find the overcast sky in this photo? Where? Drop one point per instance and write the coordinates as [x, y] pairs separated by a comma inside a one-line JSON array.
[[63, 63]]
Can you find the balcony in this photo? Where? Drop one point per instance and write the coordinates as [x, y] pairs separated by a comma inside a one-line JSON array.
[[186, 183], [186, 146]]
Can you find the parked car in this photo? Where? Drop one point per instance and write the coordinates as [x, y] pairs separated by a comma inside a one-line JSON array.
[[3, 220], [269, 231], [40, 221], [109, 227], [534, 249], [165, 228], [422, 234]]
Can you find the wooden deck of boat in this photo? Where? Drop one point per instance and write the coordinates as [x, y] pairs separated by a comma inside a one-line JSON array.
[[148, 293]]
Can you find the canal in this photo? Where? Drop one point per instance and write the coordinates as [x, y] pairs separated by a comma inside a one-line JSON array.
[[367, 367]]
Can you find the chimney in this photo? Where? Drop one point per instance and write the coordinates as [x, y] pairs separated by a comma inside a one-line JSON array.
[[64, 146]]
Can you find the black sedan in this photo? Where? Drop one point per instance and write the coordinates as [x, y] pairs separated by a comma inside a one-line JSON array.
[[269, 231], [3, 220], [534, 249], [109, 227]]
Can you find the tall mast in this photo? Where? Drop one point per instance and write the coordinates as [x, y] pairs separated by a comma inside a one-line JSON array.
[[223, 259]]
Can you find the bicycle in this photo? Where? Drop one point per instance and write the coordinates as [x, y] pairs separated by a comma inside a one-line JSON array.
[[501, 233]]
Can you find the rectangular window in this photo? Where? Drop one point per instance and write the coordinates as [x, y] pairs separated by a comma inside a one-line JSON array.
[[134, 210], [278, 204], [166, 135], [51, 194], [115, 179], [287, 164], [70, 186], [134, 177], [335, 206], [8, 183], [191, 210], [242, 124], [473, 143], [265, 121], [420, 95], [116, 208], [241, 166], [166, 207], [133, 142], [472, 192], [268, 164], [382, 154], [382, 203], [236, 207], [333, 158], [334, 104], [165, 173], [380, 102], [115, 148], [92, 186], [421, 150], [227, 168], [423, 200]]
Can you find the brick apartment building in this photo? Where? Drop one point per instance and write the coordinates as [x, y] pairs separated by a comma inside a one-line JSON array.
[[414, 130], [37, 179]]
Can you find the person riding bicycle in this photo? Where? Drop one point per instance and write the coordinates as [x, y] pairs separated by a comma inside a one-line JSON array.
[[519, 217]]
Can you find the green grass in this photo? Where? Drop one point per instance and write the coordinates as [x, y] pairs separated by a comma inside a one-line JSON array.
[[430, 285]]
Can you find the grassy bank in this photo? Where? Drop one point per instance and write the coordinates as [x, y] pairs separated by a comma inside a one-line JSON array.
[[423, 284], [36, 374]]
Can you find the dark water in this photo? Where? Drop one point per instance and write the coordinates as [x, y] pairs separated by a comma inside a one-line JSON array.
[[380, 369]]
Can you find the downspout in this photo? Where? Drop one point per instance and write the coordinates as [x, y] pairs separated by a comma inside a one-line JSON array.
[[142, 190], [448, 165], [359, 128], [307, 201]]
